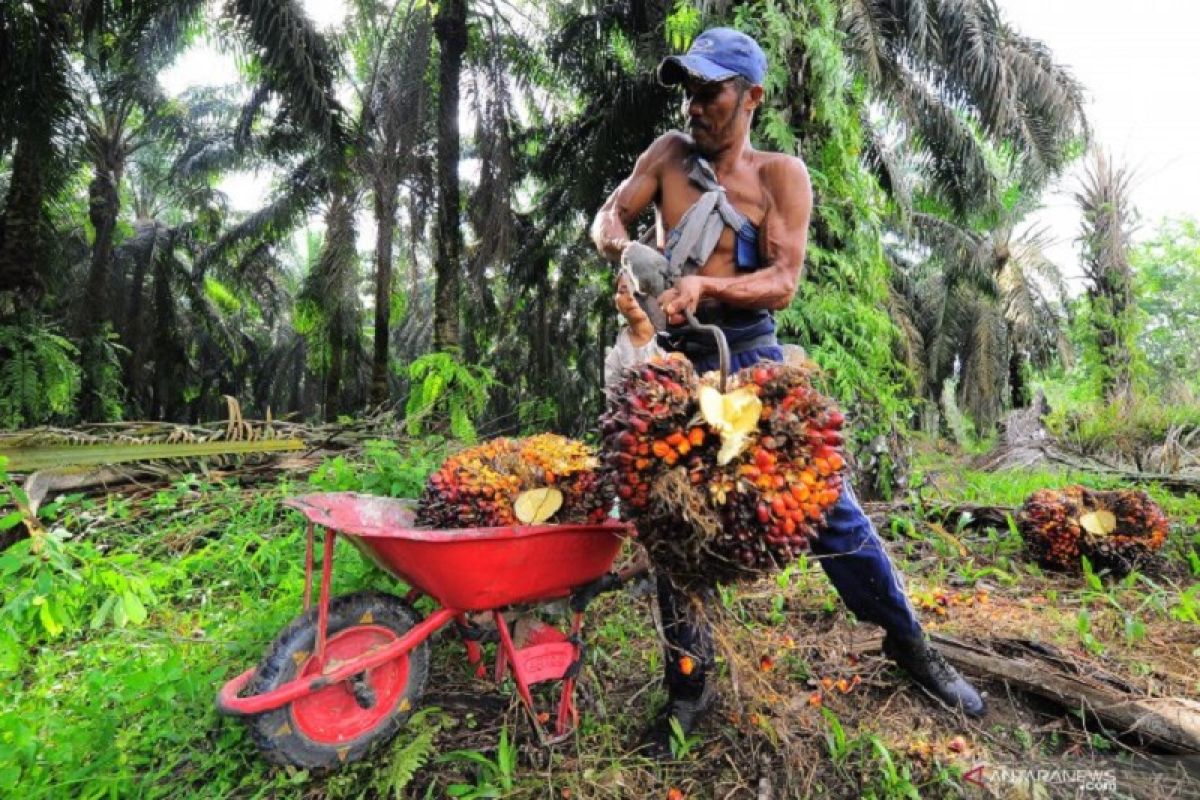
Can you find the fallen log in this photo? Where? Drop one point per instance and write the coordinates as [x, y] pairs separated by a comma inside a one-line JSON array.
[[1168, 723]]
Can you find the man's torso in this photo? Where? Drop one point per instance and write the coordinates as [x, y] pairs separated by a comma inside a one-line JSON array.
[[745, 185]]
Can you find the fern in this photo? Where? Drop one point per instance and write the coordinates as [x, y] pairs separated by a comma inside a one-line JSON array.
[[446, 392], [39, 379], [409, 757]]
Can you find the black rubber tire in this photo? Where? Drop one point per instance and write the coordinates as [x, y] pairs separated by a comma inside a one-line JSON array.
[[276, 733]]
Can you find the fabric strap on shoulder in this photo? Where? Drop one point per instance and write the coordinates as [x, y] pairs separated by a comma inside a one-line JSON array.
[[700, 228]]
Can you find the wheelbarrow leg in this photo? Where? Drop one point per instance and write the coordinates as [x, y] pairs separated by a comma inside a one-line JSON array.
[[471, 638], [308, 566], [323, 604], [568, 714], [549, 655], [502, 660]]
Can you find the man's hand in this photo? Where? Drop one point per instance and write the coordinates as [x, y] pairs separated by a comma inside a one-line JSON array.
[[684, 296]]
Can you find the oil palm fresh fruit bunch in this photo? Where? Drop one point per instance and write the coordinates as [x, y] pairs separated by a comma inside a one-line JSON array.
[[1116, 530], [544, 478], [722, 485], [646, 428]]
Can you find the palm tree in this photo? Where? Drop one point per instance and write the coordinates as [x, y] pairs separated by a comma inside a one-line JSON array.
[[977, 304], [122, 110], [331, 289], [1108, 221], [956, 81], [35, 41], [395, 137], [451, 29]]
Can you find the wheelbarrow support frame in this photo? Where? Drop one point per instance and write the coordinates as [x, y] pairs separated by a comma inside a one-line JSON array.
[[553, 656]]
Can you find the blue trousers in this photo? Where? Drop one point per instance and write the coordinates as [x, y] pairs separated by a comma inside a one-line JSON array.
[[847, 547]]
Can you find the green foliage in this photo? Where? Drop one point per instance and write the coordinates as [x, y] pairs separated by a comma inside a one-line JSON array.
[[1167, 285], [839, 314], [883, 776], [682, 743], [114, 711], [409, 754], [221, 295], [385, 470], [494, 776], [960, 425], [56, 586], [446, 394], [105, 349], [39, 379], [682, 25], [1094, 426]]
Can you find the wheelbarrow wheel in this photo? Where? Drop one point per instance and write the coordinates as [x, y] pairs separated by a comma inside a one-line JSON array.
[[342, 722]]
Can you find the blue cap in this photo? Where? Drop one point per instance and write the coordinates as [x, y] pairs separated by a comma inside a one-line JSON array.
[[716, 55]]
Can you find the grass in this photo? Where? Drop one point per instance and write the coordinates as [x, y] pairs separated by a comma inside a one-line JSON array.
[[117, 629]]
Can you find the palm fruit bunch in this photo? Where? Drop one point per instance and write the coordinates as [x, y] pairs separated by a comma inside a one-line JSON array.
[[722, 485], [642, 430], [510, 481], [1117, 530]]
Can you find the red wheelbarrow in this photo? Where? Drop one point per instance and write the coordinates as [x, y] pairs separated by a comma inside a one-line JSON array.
[[346, 673]]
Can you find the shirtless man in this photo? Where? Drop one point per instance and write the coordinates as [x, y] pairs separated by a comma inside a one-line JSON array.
[[738, 279]]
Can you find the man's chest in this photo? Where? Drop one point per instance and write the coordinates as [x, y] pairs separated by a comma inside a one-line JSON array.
[[679, 193]]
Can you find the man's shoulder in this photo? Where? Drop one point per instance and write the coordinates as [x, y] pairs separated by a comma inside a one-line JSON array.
[[671, 144], [782, 167]]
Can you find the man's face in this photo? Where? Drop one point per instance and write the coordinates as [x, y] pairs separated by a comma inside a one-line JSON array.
[[714, 113]]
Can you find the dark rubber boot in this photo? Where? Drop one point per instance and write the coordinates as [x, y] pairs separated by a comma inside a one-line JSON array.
[[930, 671], [655, 741]]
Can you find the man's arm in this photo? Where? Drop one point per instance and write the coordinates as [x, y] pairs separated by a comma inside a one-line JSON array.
[[783, 240], [610, 229]]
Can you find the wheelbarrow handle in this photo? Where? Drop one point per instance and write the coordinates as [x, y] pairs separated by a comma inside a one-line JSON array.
[[722, 343]]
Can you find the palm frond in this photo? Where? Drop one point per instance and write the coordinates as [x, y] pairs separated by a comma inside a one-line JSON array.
[[946, 135], [165, 33], [299, 192], [297, 64]]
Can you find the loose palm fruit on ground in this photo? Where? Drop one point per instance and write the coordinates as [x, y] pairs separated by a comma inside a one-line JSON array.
[[545, 478], [1116, 530]]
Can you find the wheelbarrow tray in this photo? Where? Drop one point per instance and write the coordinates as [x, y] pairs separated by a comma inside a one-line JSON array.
[[472, 569]]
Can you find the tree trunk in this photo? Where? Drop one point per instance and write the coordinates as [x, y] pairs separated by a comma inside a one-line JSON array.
[[385, 226], [338, 294], [451, 28], [104, 204], [22, 240], [136, 357], [1018, 388], [168, 355]]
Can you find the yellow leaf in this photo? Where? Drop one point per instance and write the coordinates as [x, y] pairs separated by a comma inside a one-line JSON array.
[[537, 505], [742, 410], [734, 416], [1100, 523], [732, 446], [712, 406]]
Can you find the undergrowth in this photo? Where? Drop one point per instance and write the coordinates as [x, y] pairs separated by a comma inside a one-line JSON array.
[[123, 614]]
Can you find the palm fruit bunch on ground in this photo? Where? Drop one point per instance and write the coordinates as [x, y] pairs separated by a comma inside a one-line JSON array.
[[722, 486], [1117, 530], [544, 478]]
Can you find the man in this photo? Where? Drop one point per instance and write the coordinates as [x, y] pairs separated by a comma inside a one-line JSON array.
[[736, 219]]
